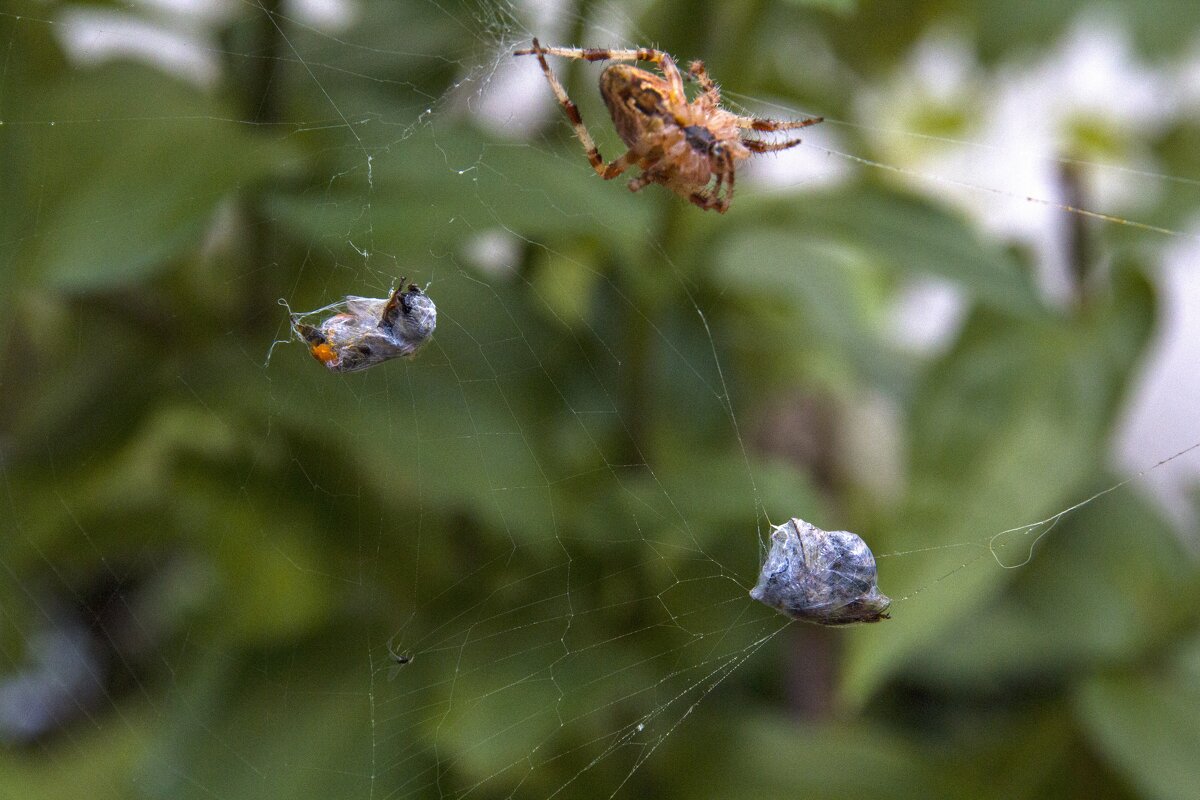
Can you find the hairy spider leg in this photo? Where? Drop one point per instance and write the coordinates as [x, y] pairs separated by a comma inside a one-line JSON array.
[[648, 161], [728, 196], [670, 71], [606, 171], [619, 165], [708, 202], [755, 146], [697, 72], [714, 199], [757, 124], [661, 58], [595, 53]]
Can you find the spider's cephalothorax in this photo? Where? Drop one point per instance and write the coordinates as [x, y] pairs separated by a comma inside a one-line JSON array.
[[692, 148]]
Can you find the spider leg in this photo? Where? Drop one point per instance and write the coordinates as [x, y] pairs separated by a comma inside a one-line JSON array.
[[716, 189], [729, 186], [641, 182], [619, 165], [755, 146], [570, 109], [647, 162], [606, 171], [698, 73], [671, 73], [648, 176], [727, 176], [708, 202], [595, 53], [663, 59], [714, 199], [757, 124]]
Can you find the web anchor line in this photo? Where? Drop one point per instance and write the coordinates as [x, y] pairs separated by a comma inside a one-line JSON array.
[[1044, 526]]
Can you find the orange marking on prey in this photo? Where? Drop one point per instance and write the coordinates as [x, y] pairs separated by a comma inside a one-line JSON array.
[[323, 353]]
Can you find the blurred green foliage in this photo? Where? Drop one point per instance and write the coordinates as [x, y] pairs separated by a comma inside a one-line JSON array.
[[525, 510]]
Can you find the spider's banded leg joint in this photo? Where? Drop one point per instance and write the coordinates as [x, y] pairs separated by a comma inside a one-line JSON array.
[[618, 166], [569, 108], [710, 203], [595, 53], [697, 72], [529, 51]]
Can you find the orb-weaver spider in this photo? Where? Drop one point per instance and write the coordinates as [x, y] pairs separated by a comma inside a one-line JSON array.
[[680, 144]]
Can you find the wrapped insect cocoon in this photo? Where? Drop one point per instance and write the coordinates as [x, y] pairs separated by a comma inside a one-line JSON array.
[[366, 331], [826, 577]]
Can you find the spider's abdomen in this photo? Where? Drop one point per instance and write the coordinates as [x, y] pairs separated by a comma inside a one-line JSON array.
[[634, 98]]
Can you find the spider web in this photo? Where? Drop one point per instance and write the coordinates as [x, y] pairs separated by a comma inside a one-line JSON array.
[[488, 571]]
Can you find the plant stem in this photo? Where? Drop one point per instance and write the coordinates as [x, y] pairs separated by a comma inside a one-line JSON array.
[[1078, 241]]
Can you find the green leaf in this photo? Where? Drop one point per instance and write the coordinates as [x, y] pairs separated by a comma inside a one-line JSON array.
[[1148, 728], [1108, 584], [230, 723], [772, 757], [823, 290], [1161, 27], [844, 7], [908, 236], [1006, 430], [121, 196], [97, 765], [450, 183]]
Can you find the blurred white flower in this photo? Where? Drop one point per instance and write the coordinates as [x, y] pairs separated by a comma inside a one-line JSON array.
[[986, 143], [925, 316], [494, 252], [93, 36], [514, 97], [329, 16], [1162, 418], [803, 168], [178, 37]]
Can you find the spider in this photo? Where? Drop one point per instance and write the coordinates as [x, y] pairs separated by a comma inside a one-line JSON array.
[[679, 144], [398, 658]]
